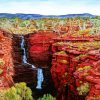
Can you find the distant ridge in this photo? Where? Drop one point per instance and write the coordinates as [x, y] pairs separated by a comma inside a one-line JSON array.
[[27, 16]]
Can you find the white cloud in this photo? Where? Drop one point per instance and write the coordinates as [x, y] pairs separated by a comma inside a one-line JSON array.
[[50, 7]]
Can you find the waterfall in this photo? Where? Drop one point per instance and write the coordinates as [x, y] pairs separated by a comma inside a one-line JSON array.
[[24, 56], [40, 77], [24, 59]]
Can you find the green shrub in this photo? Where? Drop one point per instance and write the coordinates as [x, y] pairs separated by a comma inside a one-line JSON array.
[[17, 92], [47, 97], [1, 71], [2, 62]]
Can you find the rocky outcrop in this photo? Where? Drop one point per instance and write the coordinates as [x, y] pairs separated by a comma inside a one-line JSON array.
[[6, 61], [39, 47]]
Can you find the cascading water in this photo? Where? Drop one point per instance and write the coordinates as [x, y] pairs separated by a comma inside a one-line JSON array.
[[24, 59], [40, 77]]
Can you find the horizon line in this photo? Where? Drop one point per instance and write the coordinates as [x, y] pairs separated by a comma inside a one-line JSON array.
[[48, 14]]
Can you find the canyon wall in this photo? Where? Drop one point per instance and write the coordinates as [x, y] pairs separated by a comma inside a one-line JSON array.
[[6, 60]]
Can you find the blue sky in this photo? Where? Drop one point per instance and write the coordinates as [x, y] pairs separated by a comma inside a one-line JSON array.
[[50, 7]]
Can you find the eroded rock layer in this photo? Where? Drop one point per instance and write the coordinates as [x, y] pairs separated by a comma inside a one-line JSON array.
[[6, 61]]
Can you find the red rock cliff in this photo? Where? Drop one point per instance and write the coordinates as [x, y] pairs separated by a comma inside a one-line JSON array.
[[6, 61]]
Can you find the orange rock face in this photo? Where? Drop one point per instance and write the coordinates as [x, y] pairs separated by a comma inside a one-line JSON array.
[[6, 62]]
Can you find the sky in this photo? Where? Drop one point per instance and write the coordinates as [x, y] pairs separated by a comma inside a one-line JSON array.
[[50, 7]]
